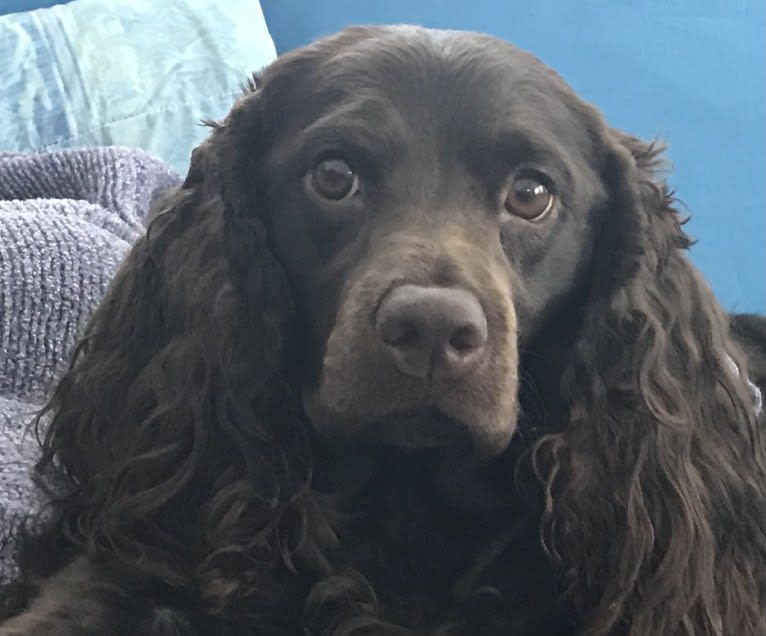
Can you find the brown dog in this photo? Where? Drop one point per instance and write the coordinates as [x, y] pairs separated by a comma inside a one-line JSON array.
[[415, 349]]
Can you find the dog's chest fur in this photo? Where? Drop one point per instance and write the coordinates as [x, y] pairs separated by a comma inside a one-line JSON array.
[[436, 566]]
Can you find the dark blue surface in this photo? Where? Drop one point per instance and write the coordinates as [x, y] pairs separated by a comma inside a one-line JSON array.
[[692, 72]]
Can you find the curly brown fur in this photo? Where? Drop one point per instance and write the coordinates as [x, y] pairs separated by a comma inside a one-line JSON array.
[[233, 451]]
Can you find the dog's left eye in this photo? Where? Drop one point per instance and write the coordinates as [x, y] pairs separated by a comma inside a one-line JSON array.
[[333, 179], [528, 198]]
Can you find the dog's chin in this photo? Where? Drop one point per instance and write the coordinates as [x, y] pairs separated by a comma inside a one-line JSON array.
[[422, 428]]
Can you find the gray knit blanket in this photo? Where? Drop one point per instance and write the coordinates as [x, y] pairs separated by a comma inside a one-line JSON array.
[[67, 220]]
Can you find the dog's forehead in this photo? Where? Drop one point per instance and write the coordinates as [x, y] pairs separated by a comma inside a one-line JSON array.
[[436, 86], [412, 58], [440, 74]]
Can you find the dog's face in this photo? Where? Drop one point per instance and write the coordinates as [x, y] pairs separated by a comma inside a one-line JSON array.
[[430, 197]]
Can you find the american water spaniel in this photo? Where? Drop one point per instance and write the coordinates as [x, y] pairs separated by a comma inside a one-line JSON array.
[[415, 349]]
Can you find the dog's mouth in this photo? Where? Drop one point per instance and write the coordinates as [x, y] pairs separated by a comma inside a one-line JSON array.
[[436, 366], [413, 428]]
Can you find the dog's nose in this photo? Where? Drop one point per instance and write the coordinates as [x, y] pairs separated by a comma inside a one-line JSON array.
[[432, 332]]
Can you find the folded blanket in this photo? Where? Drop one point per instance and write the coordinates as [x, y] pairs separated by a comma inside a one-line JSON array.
[[66, 221]]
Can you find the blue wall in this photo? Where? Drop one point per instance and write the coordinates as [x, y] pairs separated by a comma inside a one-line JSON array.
[[692, 72]]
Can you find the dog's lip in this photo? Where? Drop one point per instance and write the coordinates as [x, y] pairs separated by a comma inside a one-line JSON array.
[[421, 427], [429, 396], [426, 427]]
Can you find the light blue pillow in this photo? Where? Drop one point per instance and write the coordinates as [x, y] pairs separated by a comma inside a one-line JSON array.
[[137, 73]]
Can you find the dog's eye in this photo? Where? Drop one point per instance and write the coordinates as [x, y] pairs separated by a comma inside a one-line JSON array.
[[333, 179], [528, 198]]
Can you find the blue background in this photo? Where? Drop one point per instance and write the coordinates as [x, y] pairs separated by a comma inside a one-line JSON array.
[[690, 71]]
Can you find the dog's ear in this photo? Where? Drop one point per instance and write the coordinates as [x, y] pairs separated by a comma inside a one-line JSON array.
[[173, 437], [661, 467]]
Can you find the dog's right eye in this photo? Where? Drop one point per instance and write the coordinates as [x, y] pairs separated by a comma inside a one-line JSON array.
[[528, 198], [333, 179]]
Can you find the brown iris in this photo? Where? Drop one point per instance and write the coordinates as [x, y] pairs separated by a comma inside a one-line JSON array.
[[333, 179], [528, 198]]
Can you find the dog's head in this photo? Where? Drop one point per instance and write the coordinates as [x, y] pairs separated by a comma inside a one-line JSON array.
[[431, 197]]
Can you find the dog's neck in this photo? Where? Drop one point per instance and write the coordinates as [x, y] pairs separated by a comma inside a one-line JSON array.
[[430, 531]]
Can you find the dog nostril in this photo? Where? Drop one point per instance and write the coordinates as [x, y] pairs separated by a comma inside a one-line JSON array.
[[466, 339]]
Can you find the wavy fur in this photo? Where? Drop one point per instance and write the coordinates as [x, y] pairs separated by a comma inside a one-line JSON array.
[[653, 410]]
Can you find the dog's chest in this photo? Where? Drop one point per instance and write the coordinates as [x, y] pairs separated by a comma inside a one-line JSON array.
[[432, 566]]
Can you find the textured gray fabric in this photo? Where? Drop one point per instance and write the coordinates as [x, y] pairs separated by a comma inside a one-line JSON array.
[[66, 221]]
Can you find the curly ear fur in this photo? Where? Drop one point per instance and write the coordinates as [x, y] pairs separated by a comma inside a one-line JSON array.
[[196, 448], [656, 489]]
